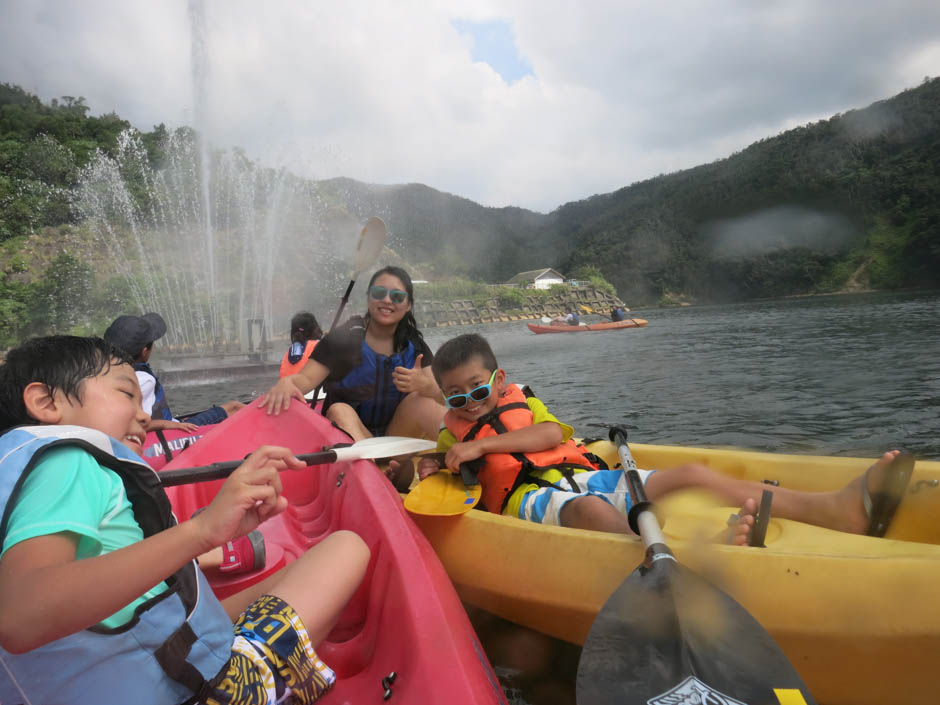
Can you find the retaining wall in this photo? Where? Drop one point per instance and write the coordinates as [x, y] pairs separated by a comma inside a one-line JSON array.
[[434, 314]]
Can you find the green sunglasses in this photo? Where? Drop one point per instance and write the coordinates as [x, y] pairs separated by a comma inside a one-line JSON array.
[[458, 401], [380, 292]]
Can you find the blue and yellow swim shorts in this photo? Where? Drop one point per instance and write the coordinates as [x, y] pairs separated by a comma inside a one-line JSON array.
[[272, 660]]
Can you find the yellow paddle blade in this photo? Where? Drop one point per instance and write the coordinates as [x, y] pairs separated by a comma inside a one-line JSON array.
[[442, 494], [586, 308]]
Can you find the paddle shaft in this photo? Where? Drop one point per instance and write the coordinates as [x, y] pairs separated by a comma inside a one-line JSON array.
[[364, 258], [668, 636], [642, 519], [219, 471]]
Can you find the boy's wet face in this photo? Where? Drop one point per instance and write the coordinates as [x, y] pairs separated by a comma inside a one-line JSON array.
[[467, 377], [110, 403]]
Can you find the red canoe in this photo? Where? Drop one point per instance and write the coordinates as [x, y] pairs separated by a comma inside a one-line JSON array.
[[406, 617], [587, 328]]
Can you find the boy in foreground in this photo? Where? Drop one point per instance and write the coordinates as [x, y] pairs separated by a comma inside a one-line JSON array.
[[101, 600], [530, 468]]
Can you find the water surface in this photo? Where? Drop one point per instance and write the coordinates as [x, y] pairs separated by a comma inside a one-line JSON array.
[[836, 375]]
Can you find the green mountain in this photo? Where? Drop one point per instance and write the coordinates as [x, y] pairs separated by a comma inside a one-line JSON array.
[[847, 203]]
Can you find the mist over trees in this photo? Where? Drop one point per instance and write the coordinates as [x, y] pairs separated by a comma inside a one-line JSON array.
[[847, 203]]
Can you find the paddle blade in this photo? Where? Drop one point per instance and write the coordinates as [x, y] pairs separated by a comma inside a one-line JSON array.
[[442, 494], [668, 636], [370, 244], [383, 447]]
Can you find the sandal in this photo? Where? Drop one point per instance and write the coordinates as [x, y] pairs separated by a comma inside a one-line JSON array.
[[881, 505], [244, 554]]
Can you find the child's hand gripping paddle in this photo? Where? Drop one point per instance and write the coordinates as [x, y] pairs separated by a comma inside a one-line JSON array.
[[370, 448], [668, 636]]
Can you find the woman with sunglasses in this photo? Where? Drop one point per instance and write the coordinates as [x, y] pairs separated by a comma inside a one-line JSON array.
[[376, 370]]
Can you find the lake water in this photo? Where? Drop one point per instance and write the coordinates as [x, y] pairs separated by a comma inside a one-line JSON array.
[[837, 375]]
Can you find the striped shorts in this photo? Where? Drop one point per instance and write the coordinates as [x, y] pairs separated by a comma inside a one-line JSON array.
[[272, 660], [544, 505]]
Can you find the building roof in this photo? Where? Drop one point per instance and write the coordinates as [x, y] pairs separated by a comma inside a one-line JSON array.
[[534, 274]]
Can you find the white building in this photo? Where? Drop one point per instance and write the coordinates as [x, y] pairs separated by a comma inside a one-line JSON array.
[[537, 279]]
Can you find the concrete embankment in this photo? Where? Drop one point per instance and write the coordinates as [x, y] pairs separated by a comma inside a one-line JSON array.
[[433, 314]]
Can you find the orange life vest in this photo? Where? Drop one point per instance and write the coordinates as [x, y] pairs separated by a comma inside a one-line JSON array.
[[501, 473], [288, 368]]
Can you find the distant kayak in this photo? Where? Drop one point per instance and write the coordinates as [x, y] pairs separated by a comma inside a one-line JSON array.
[[586, 328]]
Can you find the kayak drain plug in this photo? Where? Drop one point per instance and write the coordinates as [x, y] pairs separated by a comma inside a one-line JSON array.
[[387, 685]]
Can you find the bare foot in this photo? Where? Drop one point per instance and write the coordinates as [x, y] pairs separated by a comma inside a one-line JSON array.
[[401, 472], [739, 531], [848, 508]]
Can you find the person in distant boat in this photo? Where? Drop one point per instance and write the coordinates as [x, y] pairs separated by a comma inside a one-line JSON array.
[[376, 370], [572, 318], [305, 333], [136, 335], [530, 468], [101, 598], [616, 313]]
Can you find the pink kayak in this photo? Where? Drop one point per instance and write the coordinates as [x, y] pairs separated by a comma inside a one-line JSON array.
[[161, 447], [406, 618], [586, 328]]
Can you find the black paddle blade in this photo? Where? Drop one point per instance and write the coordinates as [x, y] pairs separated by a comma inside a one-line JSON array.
[[669, 637]]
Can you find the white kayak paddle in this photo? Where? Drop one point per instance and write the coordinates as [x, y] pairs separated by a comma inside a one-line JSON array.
[[368, 449]]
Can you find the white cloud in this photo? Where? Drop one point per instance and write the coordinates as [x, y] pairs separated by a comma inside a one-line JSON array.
[[389, 92]]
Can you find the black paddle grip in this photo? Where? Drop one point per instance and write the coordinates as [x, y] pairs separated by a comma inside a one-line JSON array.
[[617, 435]]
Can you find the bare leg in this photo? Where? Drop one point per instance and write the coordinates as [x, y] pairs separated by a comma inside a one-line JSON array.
[[211, 559], [417, 417], [594, 514], [841, 510], [317, 585], [344, 416], [231, 407]]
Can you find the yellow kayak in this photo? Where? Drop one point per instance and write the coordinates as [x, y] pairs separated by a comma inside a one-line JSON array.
[[857, 616]]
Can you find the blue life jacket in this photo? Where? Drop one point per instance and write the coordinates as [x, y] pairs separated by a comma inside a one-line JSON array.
[[176, 642], [369, 388], [161, 408]]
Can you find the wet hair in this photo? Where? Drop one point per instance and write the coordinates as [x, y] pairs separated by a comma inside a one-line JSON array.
[[407, 328], [304, 327], [61, 362], [461, 351]]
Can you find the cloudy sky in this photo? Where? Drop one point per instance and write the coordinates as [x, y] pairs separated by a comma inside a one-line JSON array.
[[507, 102]]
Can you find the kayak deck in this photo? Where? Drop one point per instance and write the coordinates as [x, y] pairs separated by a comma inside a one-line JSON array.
[[405, 617]]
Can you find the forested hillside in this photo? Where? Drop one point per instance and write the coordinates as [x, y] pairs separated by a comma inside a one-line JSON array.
[[847, 203]]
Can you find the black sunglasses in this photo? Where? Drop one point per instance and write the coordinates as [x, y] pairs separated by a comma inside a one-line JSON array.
[[380, 292]]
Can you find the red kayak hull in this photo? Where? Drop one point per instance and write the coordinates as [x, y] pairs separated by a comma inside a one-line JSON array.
[[612, 325], [155, 447], [406, 617]]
